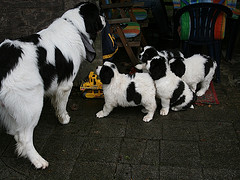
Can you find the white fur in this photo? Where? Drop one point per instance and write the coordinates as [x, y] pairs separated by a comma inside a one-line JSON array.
[[194, 69], [22, 92], [194, 73], [115, 92], [165, 87]]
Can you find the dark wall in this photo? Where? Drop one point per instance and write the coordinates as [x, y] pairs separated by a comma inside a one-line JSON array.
[[23, 17]]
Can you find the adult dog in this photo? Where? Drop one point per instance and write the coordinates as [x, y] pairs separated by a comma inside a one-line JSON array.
[[125, 90], [197, 69], [44, 63], [173, 92]]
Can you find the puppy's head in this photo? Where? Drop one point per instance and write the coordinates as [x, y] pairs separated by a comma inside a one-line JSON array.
[[94, 22], [157, 67], [107, 72], [147, 53]]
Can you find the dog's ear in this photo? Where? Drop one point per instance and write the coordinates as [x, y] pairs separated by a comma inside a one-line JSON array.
[[106, 74], [92, 20], [178, 67], [149, 54], [157, 68]]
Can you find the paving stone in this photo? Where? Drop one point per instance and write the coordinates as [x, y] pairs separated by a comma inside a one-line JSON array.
[[60, 169], [136, 128], [220, 154], [93, 170], [109, 127], [139, 172], [180, 153], [220, 113], [217, 173], [180, 130], [174, 172], [62, 147], [100, 150], [216, 131], [135, 151]]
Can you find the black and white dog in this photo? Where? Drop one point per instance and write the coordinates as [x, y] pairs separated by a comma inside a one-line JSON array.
[[44, 63], [197, 69], [173, 92], [125, 90]]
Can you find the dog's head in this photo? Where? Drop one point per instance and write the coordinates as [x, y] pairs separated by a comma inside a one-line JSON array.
[[107, 72], [147, 53], [93, 21], [157, 67]]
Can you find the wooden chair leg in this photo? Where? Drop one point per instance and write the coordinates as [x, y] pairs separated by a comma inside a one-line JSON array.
[[128, 49]]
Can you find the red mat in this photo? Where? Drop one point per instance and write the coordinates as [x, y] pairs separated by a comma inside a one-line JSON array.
[[210, 97]]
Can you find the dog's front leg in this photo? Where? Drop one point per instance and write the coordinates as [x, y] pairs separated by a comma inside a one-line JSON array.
[[59, 101], [105, 112], [165, 106]]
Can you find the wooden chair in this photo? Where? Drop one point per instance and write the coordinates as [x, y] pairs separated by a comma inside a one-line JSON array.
[[123, 26]]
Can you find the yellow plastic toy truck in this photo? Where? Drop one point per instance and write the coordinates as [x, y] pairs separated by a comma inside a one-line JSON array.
[[93, 87]]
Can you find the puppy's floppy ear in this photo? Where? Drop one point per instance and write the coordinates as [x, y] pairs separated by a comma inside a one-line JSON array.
[[106, 74], [157, 68]]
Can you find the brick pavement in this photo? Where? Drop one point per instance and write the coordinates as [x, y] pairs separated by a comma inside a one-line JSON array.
[[200, 143]]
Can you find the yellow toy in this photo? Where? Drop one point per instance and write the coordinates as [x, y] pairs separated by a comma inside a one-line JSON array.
[[93, 87]]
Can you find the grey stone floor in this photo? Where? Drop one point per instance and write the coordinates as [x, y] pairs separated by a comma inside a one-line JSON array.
[[195, 144]]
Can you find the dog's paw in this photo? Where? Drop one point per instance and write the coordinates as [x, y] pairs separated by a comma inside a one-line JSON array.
[[147, 118], [64, 118], [164, 111], [39, 163], [100, 114], [175, 109], [139, 66], [200, 93]]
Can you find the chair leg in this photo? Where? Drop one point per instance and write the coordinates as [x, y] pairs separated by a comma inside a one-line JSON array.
[[217, 49], [185, 48], [128, 49], [215, 53]]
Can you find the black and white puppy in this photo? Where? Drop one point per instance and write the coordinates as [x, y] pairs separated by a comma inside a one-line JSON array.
[[125, 90], [172, 90], [44, 63], [197, 69]]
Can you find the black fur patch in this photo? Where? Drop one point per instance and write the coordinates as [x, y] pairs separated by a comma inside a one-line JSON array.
[[132, 95], [158, 68], [191, 102], [175, 100], [63, 66], [34, 38], [9, 57], [46, 70], [106, 74], [208, 65], [92, 20], [178, 67], [149, 54]]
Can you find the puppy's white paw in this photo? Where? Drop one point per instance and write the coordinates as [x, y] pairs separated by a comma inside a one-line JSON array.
[[147, 118], [175, 109], [200, 93], [64, 118], [139, 66], [100, 114], [164, 111]]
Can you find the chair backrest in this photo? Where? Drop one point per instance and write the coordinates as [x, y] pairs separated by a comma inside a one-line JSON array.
[[202, 22]]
